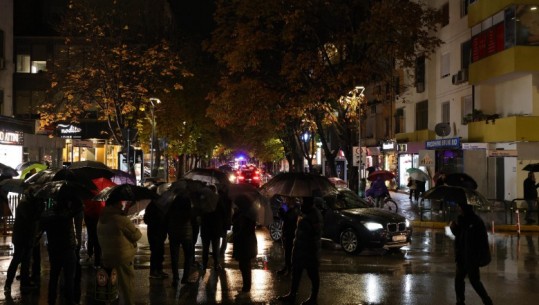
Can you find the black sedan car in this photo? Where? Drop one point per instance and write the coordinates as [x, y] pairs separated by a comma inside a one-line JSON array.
[[349, 222]]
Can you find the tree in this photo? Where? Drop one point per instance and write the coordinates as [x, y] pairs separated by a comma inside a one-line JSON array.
[[116, 56], [289, 63]]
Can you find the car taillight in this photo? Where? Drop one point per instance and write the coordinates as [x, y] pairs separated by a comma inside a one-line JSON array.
[[256, 177], [241, 177]]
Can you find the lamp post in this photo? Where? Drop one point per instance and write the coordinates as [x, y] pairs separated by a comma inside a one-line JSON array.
[[357, 95], [153, 101]]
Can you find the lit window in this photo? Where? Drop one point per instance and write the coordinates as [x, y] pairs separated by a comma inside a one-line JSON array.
[[39, 66], [23, 63]]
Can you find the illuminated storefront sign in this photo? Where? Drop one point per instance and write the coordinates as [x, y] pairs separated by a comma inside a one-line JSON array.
[[69, 131], [450, 143], [11, 137]]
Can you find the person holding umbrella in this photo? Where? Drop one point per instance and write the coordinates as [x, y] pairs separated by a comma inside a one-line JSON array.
[[244, 238], [306, 252], [118, 237], [289, 214], [156, 230], [471, 248], [530, 195], [180, 233]]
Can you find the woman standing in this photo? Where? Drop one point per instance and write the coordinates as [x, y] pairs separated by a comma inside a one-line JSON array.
[[244, 239]]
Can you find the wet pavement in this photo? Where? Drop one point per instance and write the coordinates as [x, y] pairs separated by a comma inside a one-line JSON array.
[[421, 273]]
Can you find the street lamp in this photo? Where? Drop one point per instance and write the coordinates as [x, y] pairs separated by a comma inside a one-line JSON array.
[[153, 101]]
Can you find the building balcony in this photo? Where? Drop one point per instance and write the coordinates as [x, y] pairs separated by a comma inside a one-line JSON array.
[[482, 9], [516, 59], [416, 136], [509, 129]]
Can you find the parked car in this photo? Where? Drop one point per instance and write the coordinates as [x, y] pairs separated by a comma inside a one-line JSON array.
[[350, 222]]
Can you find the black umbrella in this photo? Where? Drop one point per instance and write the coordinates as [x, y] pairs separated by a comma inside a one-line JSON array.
[[460, 179], [532, 167], [63, 188], [13, 185], [49, 175], [209, 175], [124, 192], [298, 185], [121, 177], [92, 169], [7, 171], [456, 194]]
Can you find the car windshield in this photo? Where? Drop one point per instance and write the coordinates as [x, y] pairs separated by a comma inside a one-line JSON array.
[[346, 199]]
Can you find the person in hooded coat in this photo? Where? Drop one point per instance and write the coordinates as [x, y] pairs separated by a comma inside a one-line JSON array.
[[118, 237], [471, 248]]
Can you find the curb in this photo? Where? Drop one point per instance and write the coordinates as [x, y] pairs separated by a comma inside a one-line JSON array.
[[500, 228]]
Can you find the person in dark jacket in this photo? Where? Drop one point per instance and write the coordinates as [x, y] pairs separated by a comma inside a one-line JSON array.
[[530, 195], [289, 214], [227, 221], [211, 228], [25, 231], [156, 229], [180, 233], [306, 252], [62, 244], [244, 238], [471, 246]]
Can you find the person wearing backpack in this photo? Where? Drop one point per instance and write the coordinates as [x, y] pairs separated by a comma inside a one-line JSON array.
[[471, 250]]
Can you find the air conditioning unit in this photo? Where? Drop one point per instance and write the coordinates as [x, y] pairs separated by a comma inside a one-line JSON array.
[[455, 79], [2, 64]]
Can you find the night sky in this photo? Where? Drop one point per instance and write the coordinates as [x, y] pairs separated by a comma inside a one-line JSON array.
[[35, 17]]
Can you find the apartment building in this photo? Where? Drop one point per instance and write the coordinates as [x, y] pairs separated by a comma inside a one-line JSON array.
[[473, 105]]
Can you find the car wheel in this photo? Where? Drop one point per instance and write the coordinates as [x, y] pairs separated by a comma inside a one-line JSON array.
[[350, 241], [276, 230]]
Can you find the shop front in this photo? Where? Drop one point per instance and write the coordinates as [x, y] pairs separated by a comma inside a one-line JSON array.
[[88, 142], [408, 157], [11, 147]]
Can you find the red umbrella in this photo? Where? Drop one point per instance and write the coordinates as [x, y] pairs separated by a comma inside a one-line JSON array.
[[385, 175], [92, 207]]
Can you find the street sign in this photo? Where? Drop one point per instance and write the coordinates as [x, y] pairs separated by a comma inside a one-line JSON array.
[[356, 155]]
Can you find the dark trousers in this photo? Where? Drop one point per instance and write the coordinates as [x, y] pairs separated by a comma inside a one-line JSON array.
[[187, 246], [196, 230], [311, 265], [21, 256], [475, 280], [94, 249], [214, 241], [245, 268], [62, 261], [288, 244], [36, 262], [156, 239]]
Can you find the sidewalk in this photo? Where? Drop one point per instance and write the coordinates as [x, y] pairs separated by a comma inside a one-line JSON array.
[[496, 217]]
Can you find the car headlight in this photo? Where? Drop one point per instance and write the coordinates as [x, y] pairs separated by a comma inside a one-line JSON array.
[[373, 226]]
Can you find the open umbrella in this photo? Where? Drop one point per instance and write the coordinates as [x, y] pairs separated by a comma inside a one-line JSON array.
[[56, 189], [456, 194], [298, 185], [121, 177], [91, 169], [49, 175], [7, 171], [209, 175], [29, 166], [417, 174], [13, 185], [461, 179], [385, 175], [124, 192], [205, 200], [260, 203], [532, 167]]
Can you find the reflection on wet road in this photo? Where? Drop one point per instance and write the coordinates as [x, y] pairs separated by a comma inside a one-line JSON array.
[[421, 273]]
